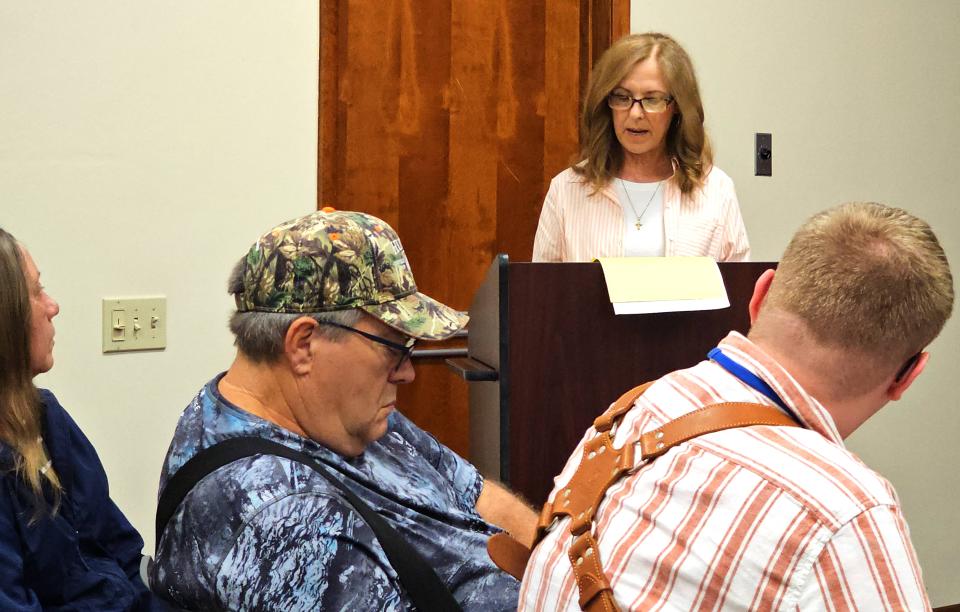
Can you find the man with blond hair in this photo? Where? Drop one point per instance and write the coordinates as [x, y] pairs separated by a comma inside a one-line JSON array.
[[768, 516]]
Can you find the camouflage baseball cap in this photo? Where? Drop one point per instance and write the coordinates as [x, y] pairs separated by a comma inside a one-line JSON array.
[[335, 260]]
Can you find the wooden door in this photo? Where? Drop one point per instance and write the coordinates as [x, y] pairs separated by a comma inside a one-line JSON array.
[[448, 118]]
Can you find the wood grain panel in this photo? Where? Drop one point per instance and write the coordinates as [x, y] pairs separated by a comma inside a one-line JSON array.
[[561, 100], [471, 210], [520, 83], [369, 89], [619, 20], [447, 118], [436, 401], [328, 139]]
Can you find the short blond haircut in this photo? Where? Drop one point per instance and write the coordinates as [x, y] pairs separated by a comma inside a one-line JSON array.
[[686, 140], [866, 278]]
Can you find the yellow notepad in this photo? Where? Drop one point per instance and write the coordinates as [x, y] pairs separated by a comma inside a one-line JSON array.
[[639, 285]]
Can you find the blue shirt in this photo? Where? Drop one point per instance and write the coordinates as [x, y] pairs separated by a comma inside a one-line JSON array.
[[86, 556], [268, 533]]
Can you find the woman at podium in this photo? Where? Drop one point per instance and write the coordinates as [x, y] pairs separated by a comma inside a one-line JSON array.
[[646, 184]]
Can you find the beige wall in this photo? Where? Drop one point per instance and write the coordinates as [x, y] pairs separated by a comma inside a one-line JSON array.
[[861, 99], [144, 147]]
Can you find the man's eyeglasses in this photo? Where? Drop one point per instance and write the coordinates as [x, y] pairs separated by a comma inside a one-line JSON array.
[[620, 100], [404, 350]]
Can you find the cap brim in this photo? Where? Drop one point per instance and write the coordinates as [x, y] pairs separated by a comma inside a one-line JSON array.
[[420, 316]]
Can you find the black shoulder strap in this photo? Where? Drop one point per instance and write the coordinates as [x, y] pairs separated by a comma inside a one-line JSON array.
[[421, 583]]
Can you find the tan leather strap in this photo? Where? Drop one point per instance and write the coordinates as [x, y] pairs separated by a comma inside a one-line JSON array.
[[601, 465], [619, 408], [508, 554], [603, 470], [596, 594], [709, 419]]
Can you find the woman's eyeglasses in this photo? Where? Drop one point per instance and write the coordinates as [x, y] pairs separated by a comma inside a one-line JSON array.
[[619, 100]]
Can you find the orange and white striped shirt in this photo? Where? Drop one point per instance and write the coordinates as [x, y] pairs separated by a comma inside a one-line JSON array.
[[759, 518], [577, 225]]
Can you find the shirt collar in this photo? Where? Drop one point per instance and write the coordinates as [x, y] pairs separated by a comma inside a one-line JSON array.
[[811, 412]]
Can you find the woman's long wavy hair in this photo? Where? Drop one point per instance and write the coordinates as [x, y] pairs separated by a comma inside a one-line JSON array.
[[686, 140], [19, 401]]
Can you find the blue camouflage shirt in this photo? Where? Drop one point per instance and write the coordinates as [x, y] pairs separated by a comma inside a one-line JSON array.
[[268, 533]]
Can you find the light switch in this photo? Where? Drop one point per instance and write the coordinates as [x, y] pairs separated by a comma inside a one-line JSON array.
[[134, 324], [118, 325]]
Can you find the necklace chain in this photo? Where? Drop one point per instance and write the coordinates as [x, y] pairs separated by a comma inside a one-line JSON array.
[[638, 224]]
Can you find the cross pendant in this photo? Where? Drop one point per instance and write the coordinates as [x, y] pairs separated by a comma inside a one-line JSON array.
[[637, 224]]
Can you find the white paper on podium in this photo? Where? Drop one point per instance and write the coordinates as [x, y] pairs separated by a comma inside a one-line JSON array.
[[643, 285]]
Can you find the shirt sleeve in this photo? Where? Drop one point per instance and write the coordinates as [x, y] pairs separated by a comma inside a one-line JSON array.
[[306, 552], [14, 595], [736, 246], [124, 544], [869, 564], [464, 478], [548, 242], [114, 534]]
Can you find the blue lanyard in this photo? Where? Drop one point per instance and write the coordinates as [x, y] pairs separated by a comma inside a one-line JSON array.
[[750, 379]]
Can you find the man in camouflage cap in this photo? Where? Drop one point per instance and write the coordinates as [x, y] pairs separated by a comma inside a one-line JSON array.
[[330, 261], [327, 315]]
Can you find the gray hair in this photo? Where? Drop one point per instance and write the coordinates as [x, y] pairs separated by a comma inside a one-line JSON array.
[[260, 335]]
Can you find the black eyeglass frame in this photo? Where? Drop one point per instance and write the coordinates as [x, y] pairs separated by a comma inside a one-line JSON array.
[[405, 350], [640, 101]]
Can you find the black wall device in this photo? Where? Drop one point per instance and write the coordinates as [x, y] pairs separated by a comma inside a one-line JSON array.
[[763, 155]]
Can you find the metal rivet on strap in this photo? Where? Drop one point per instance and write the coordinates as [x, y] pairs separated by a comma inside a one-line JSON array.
[[601, 449], [614, 471], [566, 502], [566, 493], [659, 445], [588, 553], [579, 560], [592, 455], [580, 516], [659, 435]]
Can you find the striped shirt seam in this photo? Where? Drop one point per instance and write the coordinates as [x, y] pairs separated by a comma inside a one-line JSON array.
[[830, 522]]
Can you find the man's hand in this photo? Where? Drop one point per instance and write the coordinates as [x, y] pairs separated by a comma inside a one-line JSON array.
[[499, 506]]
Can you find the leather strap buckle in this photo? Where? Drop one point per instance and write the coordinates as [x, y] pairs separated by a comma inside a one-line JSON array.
[[592, 583]]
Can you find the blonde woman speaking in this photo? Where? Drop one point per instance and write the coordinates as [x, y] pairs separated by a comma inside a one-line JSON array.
[[646, 185]]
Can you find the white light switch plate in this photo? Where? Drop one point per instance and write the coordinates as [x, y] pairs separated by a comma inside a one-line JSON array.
[[134, 324]]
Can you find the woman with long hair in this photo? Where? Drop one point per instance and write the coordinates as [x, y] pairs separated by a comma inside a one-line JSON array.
[[64, 544], [645, 184]]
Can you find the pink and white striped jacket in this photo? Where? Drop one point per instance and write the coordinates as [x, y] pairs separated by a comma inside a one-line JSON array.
[[576, 225], [759, 518]]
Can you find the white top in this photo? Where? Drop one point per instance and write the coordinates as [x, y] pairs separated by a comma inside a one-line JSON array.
[[580, 223], [643, 201]]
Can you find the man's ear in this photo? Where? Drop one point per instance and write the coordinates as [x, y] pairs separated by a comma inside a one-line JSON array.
[[297, 345], [760, 289], [908, 375]]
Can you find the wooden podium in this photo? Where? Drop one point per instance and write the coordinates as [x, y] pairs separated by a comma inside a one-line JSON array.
[[546, 355]]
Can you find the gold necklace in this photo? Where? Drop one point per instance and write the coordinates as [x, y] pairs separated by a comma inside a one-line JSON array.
[[638, 223]]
